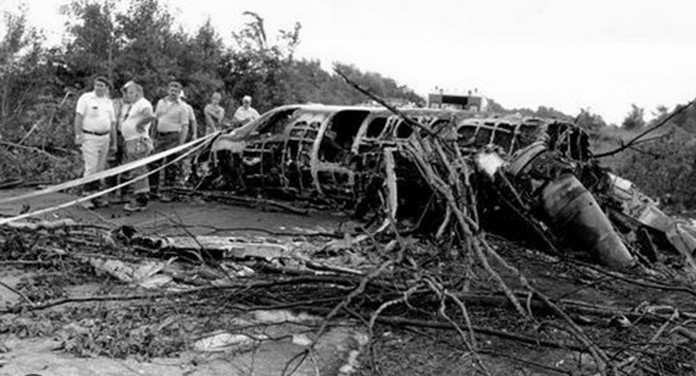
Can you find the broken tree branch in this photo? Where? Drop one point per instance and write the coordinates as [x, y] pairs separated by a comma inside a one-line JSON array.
[[14, 290], [601, 359], [31, 148]]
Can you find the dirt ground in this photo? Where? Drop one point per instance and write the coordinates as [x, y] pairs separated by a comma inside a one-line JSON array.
[[621, 313]]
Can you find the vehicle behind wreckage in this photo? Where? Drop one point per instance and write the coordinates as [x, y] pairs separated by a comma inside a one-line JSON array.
[[531, 177]]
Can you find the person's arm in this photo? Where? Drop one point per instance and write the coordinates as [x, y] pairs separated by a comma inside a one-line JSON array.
[[113, 136], [184, 119], [156, 115], [209, 118], [79, 118], [148, 117], [193, 124], [222, 124], [112, 130]]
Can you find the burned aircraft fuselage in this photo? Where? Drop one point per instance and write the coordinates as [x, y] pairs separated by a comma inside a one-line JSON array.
[[355, 158], [351, 157], [336, 153], [312, 151]]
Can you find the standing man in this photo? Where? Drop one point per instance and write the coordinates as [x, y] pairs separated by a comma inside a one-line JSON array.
[[214, 113], [245, 113], [137, 144], [172, 121], [95, 132]]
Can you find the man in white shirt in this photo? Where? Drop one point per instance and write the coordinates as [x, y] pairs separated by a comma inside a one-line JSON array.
[[95, 132], [171, 130], [245, 113], [135, 129]]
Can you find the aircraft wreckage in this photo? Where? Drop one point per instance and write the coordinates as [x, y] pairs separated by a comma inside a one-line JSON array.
[[525, 176]]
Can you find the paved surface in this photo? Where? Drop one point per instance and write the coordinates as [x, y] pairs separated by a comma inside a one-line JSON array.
[[334, 354]]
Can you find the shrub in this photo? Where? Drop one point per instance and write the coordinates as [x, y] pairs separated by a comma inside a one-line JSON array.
[[663, 168]]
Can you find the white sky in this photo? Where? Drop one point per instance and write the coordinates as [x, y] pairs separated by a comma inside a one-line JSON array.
[[597, 54]]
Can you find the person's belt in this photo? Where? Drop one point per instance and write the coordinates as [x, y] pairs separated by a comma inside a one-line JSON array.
[[95, 133]]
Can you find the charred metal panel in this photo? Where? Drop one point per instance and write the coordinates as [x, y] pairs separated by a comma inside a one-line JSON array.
[[505, 134], [299, 146], [332, 154]]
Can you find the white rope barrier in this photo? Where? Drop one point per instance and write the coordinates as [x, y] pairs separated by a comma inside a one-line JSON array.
[[195, 145]]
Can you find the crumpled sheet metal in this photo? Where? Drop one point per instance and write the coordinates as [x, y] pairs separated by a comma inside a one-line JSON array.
[[336, 256], [680, 233], [146, 274], [569, 208], [229, 247]]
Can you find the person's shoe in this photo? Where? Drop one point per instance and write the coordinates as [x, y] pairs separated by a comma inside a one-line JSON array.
[[135, 206]]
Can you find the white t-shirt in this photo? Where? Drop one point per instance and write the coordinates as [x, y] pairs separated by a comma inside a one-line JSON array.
[[137, 111], [97, 112]]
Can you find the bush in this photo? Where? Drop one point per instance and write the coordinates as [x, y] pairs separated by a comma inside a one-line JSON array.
[[663, 168]]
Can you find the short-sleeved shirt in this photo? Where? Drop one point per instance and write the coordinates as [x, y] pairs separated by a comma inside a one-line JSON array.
[[97, 112], [136, 112], [244, 115], [172, 116]]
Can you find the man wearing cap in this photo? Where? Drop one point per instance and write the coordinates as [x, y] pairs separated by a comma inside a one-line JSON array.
[[95, 132], [171, 129], [245, 113]]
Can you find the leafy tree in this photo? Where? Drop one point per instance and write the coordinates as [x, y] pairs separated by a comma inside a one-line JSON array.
[[661, 112], [200, 63], [550, 112], [635, 119], [587, 120], [91, 49], [26, 75], [151, 49], [257, 67]]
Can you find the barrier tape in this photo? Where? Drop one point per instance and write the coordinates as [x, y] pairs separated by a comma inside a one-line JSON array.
[[199, 143], [110, 172]]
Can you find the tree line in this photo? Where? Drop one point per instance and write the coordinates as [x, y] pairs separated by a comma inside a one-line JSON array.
[[39, 84], [142, 43]]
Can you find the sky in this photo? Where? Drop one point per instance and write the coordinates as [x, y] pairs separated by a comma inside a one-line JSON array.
[[601, 55]]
